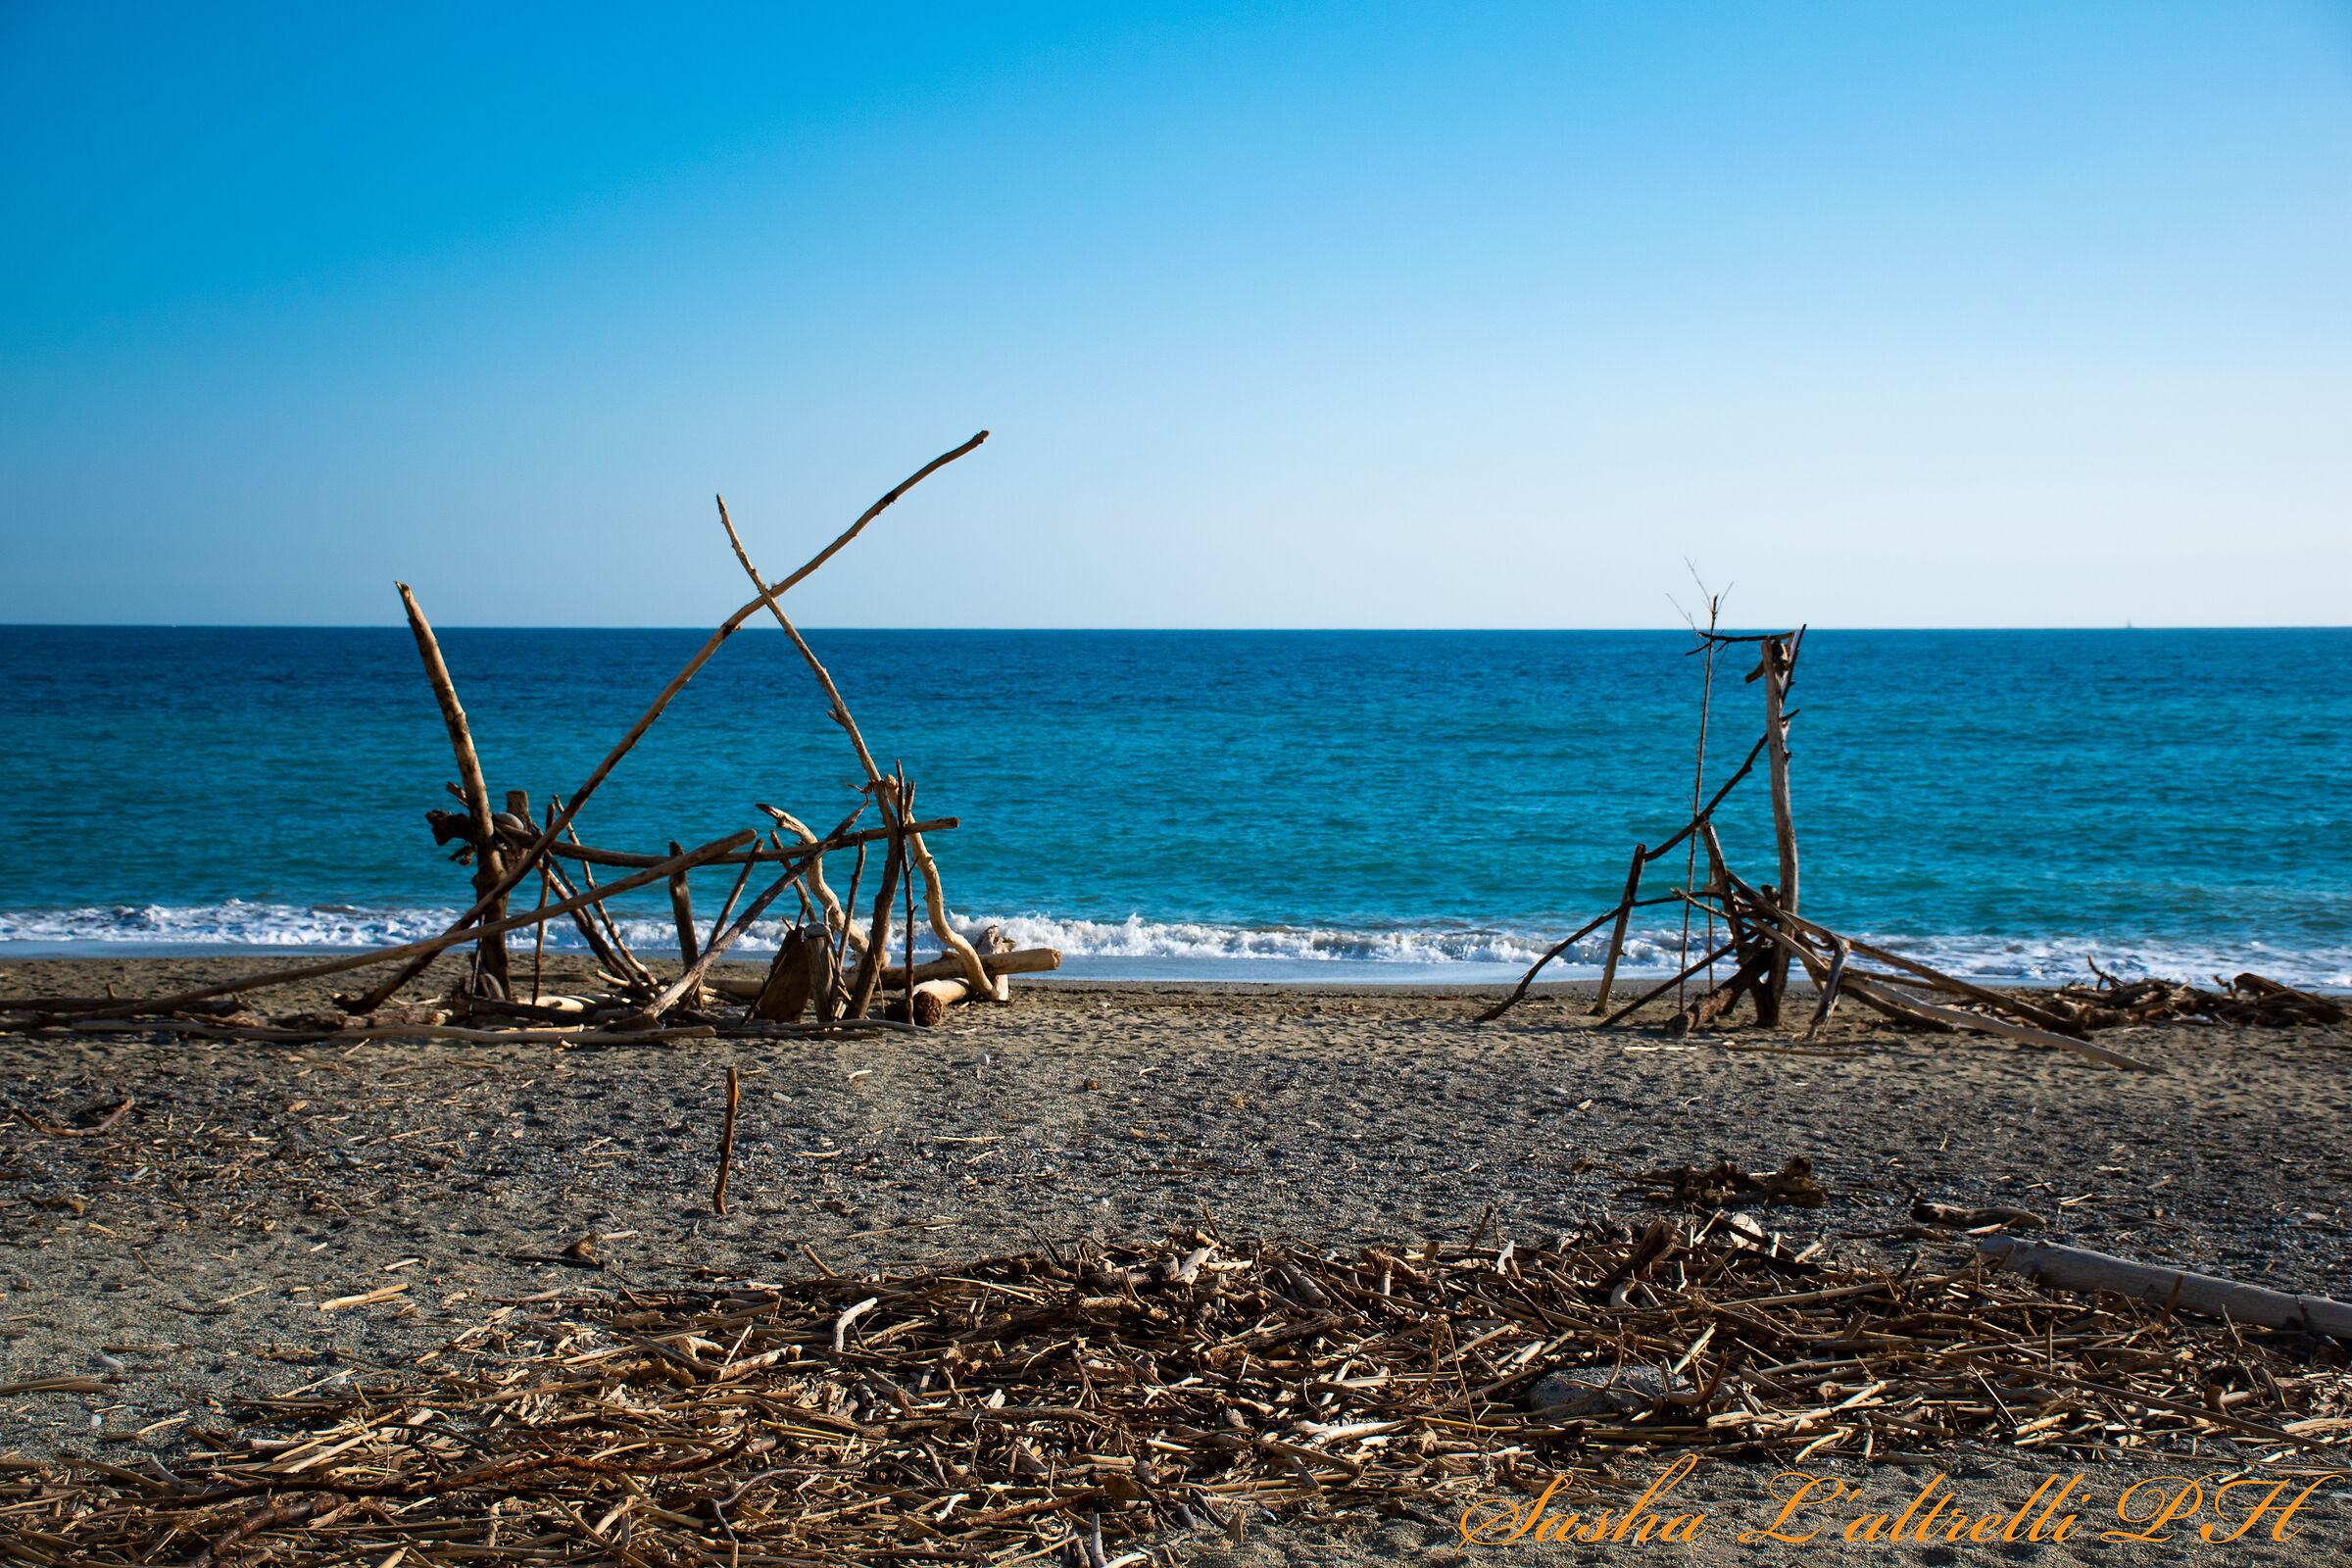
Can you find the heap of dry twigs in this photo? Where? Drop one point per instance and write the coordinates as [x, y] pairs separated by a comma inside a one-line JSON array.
[[1074, 1403]]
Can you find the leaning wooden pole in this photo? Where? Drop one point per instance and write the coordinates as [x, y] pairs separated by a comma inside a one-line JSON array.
[[934, 897], [1625, 915], [492, 951]]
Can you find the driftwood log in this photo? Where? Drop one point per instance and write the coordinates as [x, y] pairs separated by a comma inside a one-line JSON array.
[[2077, 1268]]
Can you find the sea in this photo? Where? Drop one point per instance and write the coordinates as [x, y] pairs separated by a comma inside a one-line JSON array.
[[1413, 808]]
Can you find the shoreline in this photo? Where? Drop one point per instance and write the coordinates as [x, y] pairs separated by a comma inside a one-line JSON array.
[[1333, 975]]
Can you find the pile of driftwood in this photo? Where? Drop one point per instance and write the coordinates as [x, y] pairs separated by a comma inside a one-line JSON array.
[[1071, 1405], [1765, 937], [2249, 998], [826, 976]]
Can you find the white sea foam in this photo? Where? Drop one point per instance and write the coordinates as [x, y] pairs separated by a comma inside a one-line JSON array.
[[1137, 947]]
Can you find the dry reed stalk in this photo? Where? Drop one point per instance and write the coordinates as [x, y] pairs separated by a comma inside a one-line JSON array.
[[999, 1407]]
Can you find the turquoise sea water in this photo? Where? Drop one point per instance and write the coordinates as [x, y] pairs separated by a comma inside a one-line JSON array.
[[1257, 805]]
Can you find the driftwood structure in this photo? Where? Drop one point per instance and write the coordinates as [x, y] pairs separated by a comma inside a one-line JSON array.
[[828, 975], [1767, 935]]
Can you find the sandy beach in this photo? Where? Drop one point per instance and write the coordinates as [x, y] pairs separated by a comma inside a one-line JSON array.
[[184, 1254]]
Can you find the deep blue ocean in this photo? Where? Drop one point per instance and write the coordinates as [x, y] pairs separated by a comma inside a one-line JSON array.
[[1409, 805]]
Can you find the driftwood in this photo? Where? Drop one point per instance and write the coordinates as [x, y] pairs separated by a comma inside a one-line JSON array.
[[1777, 667], [1768, 934], [928, 1003], [893, 805], [877, 937], [727, 628], [505, 847], [486, 877], [1625, 915], [2077, 1268], [448, 939], [780, 1420], [681, 909], [1025, 960], [784, 995]]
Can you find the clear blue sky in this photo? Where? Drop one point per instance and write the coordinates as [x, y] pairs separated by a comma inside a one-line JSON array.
[[1918, 314]]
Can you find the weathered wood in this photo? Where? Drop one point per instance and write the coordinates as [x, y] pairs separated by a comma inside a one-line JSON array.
[[492, 959], [620, 944], [824, 976], [1554, 951], [530, 860], [1707, 812], [433, 945], [1981, 1024], [815, 882], [2043, 1016], [783, 996], [884, 793], [785, 856], [690, 984], [1894, 1006], [928, 1003], [1765, 908], [681, 909], [1777, 666], [1719, 1000], [1841, 952], [1025, 960], [1625, 915], [2078, 1269], [1664, 985], [726, 1148], [877, 937]]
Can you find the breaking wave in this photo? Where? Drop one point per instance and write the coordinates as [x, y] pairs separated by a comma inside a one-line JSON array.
[[1141, 947]]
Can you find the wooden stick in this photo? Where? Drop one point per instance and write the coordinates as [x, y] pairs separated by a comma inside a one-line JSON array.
[[1948, 982], [815, 880], [1698, 770], [934, 899], [2078, 1269], [433, 945], [1662, 987], [726, 1149], [681, 907], [1556, 948], [840, 997], [691, 982], [1840, 952], [719, 921], [1027, 961], [1719, 1000], [783, 855], [645, 976], [584, 919], [1715, 800], [1777, 666], [1625, 915], [904, 800], [486, 868], [1761, 915], [1977, 1022], [877, 939], [517, 797], [726, 628]]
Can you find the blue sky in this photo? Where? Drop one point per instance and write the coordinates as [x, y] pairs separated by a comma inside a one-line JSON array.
[[1282, 314]]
